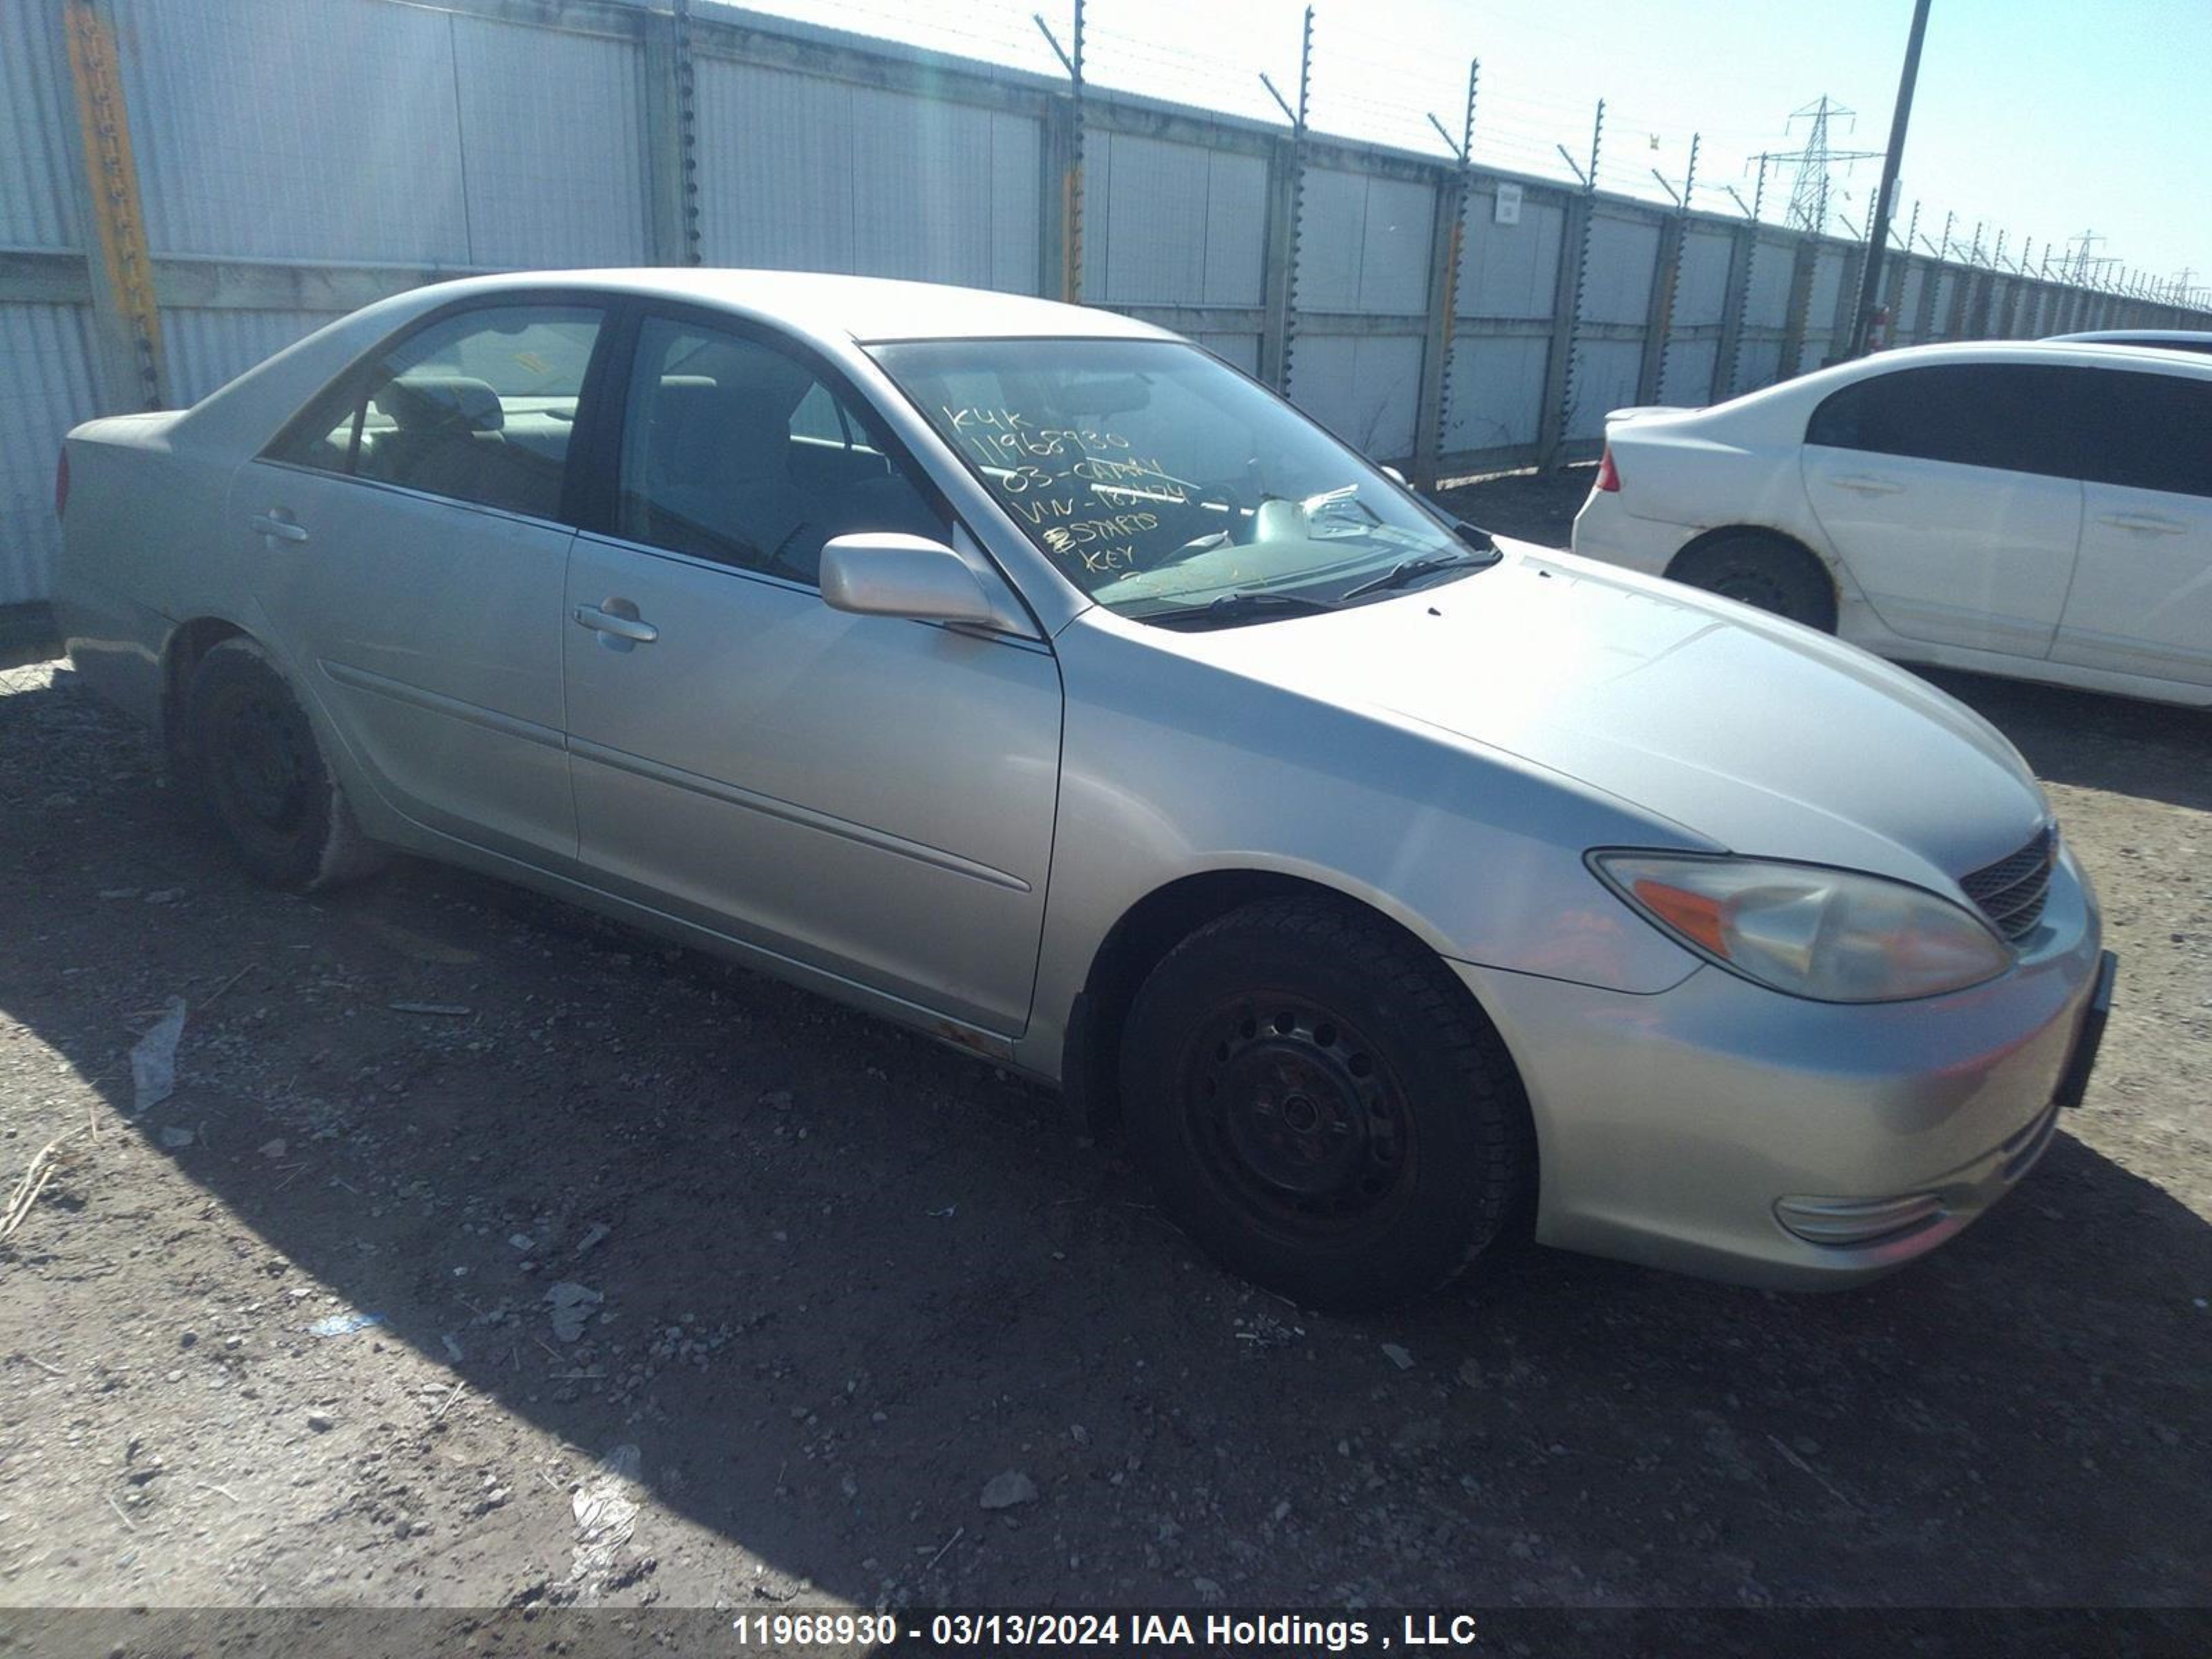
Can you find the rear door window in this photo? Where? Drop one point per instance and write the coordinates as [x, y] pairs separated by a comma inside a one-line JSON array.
[[2013, 417], [477, 407]]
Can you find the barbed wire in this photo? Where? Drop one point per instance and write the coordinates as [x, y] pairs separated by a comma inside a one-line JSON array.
[[1366, 90]]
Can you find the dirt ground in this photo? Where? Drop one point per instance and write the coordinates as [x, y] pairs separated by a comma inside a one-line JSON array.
[[692, 1291]]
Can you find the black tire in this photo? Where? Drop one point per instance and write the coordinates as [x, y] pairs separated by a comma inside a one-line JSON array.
[[1764, 571], [262, 776], [1322, 1107]]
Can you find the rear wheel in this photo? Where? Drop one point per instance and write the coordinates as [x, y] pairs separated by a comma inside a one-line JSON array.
[[1764, 571], [263, 777], [1322, 1107]]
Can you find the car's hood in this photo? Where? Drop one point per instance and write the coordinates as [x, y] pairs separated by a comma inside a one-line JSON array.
[[1761, 737]]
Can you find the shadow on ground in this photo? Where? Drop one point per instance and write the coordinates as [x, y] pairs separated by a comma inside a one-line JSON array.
[[846, 1277]]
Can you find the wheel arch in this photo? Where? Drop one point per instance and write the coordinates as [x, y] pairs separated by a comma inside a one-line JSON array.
[[187, 647], [1144, 934], [1793, 544], [1765, 532]]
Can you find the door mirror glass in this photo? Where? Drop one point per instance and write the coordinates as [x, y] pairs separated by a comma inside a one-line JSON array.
[[883, 573]]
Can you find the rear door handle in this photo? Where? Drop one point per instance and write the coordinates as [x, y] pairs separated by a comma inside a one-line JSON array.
[[622, 628], [1867, 484], [2149, 523], [276, 529]]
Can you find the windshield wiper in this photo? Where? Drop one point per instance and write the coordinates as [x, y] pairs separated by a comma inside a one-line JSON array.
[[1237, 607], [1412, 570]]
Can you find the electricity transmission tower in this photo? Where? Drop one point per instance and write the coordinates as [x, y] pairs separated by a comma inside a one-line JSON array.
[[2082, 245], [1809, 191]]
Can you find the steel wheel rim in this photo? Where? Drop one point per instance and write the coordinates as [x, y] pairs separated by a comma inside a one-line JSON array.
[[262, 766], [1294, 1116], [1758, 589]]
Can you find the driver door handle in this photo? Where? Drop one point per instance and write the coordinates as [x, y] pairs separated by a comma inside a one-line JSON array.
[[622, 628]]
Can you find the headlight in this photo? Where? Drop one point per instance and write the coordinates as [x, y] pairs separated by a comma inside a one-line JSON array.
[[1832, 935]]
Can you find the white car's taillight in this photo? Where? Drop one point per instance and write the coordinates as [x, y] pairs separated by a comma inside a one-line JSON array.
[[1608, 474]]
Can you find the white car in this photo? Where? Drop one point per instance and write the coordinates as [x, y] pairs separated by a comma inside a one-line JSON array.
[[2037, 510]]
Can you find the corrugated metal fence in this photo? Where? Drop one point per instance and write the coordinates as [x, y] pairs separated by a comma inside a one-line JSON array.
[[297, 158]]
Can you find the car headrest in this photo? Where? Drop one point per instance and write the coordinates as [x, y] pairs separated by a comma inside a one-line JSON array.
[[451, 403]]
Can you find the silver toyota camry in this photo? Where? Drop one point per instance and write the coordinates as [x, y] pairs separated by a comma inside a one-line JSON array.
[[1028, 676]]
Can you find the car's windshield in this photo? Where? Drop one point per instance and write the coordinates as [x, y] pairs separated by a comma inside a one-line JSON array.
[[1162, 481]]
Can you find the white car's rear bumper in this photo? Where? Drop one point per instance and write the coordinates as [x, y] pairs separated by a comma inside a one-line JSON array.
[[1607, 531]]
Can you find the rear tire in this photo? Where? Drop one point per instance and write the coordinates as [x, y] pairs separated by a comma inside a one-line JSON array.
[[263, 778], [1322, 1107], [1765, 571]]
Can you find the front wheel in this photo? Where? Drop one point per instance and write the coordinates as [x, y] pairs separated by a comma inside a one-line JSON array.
[[1322, 1107]]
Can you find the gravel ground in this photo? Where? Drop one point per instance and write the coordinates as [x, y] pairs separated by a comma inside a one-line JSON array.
[[691, 1290]]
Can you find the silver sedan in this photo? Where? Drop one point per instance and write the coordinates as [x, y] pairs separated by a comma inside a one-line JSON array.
[[1028, 676]]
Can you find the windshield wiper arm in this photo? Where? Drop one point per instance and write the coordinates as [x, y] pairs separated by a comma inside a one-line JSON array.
[[1239, 607], [1413, 570]]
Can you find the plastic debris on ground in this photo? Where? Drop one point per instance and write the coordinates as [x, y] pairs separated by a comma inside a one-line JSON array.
[[572, 1304], [344, 1324], [606, 1509], [1006, 1491], [154, 1059]]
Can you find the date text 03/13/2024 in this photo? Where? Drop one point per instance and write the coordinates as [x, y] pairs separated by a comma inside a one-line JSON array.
[[1168, 1631]]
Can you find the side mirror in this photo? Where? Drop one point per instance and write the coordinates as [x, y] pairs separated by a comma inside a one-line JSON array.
[[1394, 476], [883, 574]]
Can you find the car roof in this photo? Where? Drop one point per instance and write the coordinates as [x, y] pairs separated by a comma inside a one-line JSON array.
[[835, 313], [829, 307], [2089, 355], [2105, 353], [2119, 336]]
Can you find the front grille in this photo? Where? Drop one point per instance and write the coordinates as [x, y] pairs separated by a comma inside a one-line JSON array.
[[2011, 891]]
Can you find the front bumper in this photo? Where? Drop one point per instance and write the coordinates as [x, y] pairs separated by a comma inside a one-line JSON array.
[[1723, 1129]]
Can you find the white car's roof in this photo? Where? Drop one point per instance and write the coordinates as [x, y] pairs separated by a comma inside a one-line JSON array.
[[2024, 351]]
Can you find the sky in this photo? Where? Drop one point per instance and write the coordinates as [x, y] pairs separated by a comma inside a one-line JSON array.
[[2040, 118]]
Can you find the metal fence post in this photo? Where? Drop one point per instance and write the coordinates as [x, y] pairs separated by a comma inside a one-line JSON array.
[[1445, 242], [1056, 162], [126, 312], [1566, 301], [672, 140], [1567, 306], [1278, 318], [1727, 356], [1061, 223], [1447, 247], [1666, 285], [1896, 275], [1659, 310], [1803, 262], [1847, 294], [1962, 280], [1286, 201]]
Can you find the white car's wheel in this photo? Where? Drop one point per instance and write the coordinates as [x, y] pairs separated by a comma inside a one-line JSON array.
[[1764, 571]]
